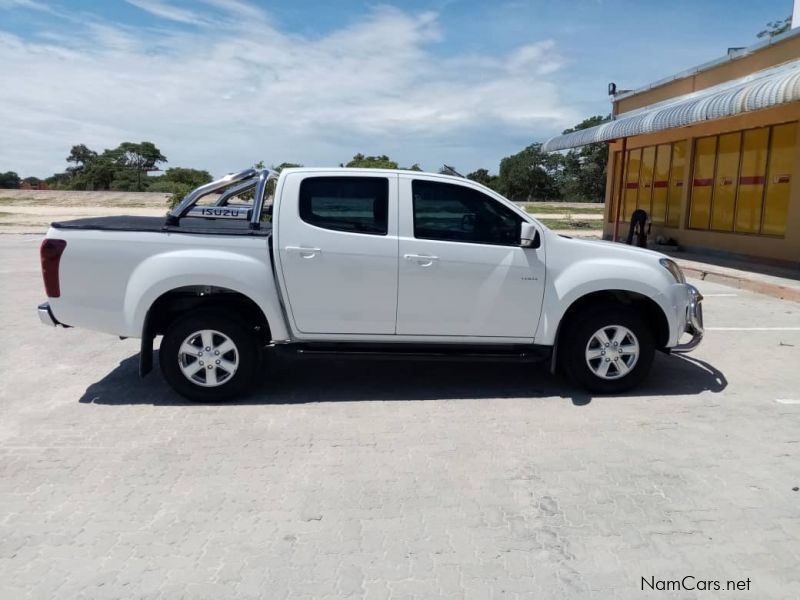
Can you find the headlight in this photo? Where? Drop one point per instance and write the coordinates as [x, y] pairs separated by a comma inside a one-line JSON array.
[[671, 266]]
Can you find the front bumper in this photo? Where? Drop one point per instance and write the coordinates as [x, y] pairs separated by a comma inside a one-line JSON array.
[[46, 315], [694, 321]]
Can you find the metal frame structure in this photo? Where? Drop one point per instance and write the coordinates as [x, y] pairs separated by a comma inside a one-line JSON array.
[[233, 184]]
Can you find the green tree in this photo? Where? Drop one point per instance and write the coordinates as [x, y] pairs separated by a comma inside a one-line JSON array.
[[192, 177], [414, 167], [9, 179], [776, 28], [372, 162], [140, 158], [483, 177], [121, 168], [530, 175], [81, 155], [97, 174], [583, 174]]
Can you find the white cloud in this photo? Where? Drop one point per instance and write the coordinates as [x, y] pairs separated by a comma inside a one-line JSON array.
[[19, 3], [167, 11], [29, 4], [224, 97]]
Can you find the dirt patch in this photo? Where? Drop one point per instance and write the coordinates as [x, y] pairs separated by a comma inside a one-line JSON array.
[[32, 211], [75, 198]]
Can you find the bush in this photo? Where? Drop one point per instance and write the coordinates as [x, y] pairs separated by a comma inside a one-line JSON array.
[[179, 192], [178, 182]]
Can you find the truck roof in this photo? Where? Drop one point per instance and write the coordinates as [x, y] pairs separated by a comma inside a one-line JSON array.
[[357, 170]]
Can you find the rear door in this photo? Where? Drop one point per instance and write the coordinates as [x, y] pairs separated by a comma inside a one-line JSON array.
[[337, 241], [462, 270]]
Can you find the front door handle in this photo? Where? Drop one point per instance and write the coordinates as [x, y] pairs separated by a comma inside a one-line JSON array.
[[423, 260], [304, 251]]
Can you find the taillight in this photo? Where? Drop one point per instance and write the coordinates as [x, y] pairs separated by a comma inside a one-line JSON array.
[[50, 254]]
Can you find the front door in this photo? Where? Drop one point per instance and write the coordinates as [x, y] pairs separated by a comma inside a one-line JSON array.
[[462, 271], [337, 238]]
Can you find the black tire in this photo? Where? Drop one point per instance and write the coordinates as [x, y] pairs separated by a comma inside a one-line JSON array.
[[247, 352], [575, 340]]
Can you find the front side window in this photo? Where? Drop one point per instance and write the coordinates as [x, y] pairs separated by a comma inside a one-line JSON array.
[[455, 213], [354, 204]]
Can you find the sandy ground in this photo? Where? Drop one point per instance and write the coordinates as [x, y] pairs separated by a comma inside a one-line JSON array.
[[72, 198], [29, 211]]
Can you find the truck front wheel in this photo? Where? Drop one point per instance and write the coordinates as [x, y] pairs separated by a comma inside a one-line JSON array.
[[607, 350], [207, 356]]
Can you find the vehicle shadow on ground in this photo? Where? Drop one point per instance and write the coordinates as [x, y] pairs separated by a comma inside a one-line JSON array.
[[298, 381]]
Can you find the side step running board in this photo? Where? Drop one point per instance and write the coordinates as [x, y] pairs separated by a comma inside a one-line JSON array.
[[529, 354]]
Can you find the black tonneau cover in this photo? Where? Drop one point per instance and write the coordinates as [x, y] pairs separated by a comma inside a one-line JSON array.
[[189, 225]]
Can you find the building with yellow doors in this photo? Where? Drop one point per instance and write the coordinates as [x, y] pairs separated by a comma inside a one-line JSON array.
[[711, 154]]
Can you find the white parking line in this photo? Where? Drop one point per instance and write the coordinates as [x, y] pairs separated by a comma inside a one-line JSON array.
[[719, 295], [787, 401], [752, 328]]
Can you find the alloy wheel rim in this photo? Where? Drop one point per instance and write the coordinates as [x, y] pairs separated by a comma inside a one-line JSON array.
[[208, 358], [612, 352]]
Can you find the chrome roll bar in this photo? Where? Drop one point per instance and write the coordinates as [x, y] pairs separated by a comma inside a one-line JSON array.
[[235, 191], [249, 178], [258, 200]]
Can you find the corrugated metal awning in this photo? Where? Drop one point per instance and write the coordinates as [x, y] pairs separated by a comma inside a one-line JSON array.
[[763, 89]]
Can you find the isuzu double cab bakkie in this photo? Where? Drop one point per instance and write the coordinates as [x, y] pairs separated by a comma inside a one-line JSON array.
[[362, 261]]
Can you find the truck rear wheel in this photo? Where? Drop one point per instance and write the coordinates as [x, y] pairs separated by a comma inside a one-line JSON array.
[[607, 350], [207, 356]]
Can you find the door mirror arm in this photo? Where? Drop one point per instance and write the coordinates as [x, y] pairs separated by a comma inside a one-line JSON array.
[[529, 236]]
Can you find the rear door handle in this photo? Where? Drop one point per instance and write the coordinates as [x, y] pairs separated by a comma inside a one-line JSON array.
[[423, 260], [303, 251]]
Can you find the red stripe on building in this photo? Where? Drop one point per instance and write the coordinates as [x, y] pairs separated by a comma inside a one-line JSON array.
[[660, 184], [631, 186], [751, 180], [703, 182]]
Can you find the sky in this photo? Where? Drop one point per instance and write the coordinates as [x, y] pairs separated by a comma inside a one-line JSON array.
[[223, 84]]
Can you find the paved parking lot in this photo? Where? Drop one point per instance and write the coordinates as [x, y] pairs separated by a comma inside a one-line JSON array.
[[397, 480]]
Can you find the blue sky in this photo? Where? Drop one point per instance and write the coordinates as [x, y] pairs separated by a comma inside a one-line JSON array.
[[221, 84]]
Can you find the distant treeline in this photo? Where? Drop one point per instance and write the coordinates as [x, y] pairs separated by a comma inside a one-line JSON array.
[[529, 175]]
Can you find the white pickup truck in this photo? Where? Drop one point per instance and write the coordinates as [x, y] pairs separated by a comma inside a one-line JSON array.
[[362, 262]]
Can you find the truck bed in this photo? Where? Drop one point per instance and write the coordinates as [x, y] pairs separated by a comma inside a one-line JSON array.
[[188, 225]]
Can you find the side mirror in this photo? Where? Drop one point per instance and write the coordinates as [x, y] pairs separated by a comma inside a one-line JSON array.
[[529, 236]]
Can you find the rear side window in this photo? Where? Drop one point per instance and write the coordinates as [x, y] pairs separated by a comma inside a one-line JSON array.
[[354, 204], [455, 213]]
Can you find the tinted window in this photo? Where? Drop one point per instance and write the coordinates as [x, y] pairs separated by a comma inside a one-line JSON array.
[[443, 211], [356, 204]]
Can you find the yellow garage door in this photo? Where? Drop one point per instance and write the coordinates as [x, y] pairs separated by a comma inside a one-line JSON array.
[[646, 179], [631, 183], [751, 180], [705, 151], [676, 174], [726, 180], [779, 179], [615, 183], [661, 184]]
